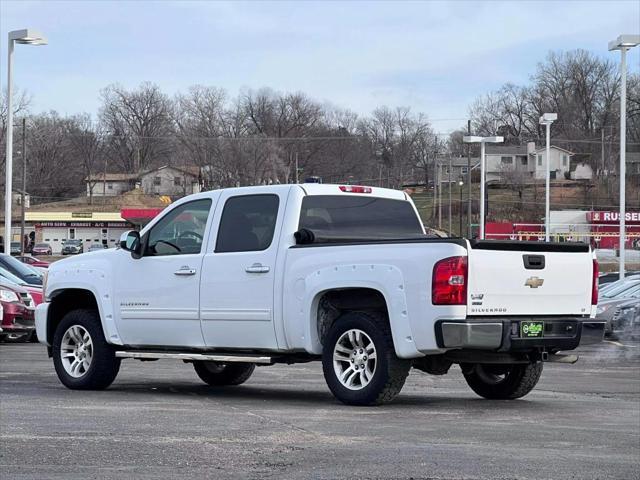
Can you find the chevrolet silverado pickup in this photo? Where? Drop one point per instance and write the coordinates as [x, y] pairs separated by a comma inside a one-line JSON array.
[[232, 279]]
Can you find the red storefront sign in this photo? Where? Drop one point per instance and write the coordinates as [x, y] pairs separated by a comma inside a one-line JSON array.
[[613, 217]]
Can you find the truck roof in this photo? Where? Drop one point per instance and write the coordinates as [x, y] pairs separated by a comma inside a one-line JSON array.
[[307, 188]]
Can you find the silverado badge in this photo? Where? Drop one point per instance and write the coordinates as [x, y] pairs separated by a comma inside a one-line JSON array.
[[534, 282]]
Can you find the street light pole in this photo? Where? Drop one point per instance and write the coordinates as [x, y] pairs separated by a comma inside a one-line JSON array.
[[482, 141], [27, 37], [547, 119], [460, 184], [24, 183], [449, 185], [623, 43]]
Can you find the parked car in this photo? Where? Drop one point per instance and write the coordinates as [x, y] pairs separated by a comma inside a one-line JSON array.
[[16, 248], [625, 321], [611, 301], [26, 273], [42, 249], [342, 274], [35, 292], [72, 247], [609, 277], [17, 312], [96, 247], [618, 288], [33, 261]]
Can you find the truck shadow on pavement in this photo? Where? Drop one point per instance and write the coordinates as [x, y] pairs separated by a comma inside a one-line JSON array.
[[248, 394]]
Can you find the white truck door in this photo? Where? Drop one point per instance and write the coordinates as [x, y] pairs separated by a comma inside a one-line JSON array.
[[237, 286], [157, 295]]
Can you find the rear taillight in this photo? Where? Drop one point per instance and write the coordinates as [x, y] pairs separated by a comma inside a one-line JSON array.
[[449, 285], [355, 189], [594, 283]]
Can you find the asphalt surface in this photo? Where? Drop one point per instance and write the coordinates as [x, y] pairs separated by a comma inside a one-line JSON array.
[[158, 421]]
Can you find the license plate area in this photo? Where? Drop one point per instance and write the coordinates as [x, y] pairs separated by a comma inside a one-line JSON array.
[[531, 329]]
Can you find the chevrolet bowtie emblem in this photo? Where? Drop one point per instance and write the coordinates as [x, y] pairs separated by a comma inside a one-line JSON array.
[[534, 282]]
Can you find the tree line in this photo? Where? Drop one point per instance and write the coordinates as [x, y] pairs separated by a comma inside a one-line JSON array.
[[257, 137], [260, 136]]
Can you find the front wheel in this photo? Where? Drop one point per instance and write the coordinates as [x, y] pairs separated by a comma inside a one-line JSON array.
[[81, 356], [359, 361], [502, 382]]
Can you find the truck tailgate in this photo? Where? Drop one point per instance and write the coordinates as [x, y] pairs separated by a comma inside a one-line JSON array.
[[529, 278]]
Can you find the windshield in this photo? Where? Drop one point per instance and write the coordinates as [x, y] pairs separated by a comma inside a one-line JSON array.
[[5, 274], [42, 245], [619, 290], [72, 242], [21, 270]]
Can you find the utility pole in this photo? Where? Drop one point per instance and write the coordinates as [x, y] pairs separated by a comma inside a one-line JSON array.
[[449, 185], [297, 179], [104, 182], [468, 180], [439, 169], [24, 182], [460, 184]]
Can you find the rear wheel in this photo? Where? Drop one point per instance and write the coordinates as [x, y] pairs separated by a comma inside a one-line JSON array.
[[502, 382], [81, 356], [359, 361], [219, 374]]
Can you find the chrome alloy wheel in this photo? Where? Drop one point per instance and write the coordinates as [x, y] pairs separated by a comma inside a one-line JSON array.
[[354, 359], [76, 351]]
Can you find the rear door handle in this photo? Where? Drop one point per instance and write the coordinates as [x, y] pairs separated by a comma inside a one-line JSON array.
[[257, 268], [185, 271]]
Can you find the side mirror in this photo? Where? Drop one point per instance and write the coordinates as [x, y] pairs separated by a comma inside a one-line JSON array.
[[130, 241]]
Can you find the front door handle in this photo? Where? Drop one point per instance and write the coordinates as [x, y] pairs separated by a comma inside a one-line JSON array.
[[257, 268], [185, 271]]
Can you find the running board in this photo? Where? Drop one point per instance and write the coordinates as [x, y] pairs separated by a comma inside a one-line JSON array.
[[194, 357]]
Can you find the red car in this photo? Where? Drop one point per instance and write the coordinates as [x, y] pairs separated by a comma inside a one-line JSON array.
[[33, 261], [41, 249], [17, 311]]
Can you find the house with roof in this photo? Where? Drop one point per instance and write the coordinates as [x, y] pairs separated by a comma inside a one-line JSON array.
[[166, 180], [110, 184], [530, 161]]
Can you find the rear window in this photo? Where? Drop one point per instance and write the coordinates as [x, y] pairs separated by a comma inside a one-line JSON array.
[[359, 217]]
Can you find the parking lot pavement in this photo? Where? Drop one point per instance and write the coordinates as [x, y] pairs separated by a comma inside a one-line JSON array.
[[158, 421]]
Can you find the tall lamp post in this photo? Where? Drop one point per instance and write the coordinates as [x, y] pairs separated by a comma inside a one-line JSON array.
[[460, 185], [24, 37], [547, 119], [623, 43], [482, 141]]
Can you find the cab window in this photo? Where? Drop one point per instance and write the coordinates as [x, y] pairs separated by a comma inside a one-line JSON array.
[[181, 231], [248, 223]]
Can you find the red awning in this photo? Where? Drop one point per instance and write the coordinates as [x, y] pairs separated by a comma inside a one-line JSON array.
[[139, 215]]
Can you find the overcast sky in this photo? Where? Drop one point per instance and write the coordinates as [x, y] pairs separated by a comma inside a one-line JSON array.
[[433, 56]]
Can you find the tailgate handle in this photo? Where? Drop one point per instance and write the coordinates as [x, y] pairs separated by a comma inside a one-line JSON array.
[[533, 262]]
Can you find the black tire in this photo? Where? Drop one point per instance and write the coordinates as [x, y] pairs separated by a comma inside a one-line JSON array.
[[389, 374], [219, 374], [502, 382], [104, 365]]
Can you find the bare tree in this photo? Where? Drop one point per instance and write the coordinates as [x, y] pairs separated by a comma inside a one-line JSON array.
[[139, 126], [87, 145]]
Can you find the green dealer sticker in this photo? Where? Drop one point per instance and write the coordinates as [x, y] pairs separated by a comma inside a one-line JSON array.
[[531, 329]]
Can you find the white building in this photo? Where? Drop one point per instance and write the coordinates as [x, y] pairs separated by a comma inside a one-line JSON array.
[[171, 181], [110, 185], [90, 227], [530, 161], [166, 180]]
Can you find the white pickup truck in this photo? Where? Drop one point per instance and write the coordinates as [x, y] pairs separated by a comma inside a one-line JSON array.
[[240, 277]]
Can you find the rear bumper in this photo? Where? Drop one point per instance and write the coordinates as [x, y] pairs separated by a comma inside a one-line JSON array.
[[503, 334]]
